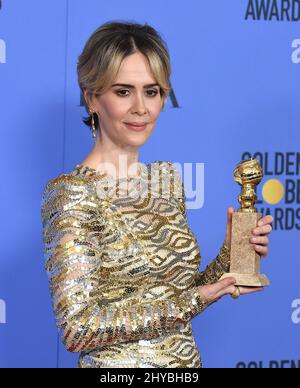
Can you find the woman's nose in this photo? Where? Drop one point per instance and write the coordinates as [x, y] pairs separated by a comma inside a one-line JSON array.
[[139, 104]]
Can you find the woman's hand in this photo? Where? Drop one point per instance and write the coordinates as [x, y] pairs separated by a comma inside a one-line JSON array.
[[259, 237], [213, 292]]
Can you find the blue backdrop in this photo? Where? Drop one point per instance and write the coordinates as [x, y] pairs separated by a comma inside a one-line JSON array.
[[236, 88]]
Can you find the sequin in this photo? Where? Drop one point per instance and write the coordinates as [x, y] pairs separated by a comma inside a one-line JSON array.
[[123, 270]]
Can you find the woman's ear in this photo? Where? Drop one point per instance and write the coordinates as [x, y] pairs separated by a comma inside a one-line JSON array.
[[87, 98]]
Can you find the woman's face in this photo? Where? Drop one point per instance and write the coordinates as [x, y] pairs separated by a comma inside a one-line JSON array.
[[139, 103]]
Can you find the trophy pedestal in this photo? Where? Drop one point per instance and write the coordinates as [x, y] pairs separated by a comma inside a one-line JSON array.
[[244, 260], [248, 280]]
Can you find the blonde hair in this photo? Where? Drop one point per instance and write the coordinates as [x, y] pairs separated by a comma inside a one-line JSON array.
[[103, 53]]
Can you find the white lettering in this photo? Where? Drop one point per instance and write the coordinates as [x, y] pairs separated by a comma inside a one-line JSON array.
[[296, 313], [113, 378], [296, 53], [194, 198], [2, 51], [2, 311]]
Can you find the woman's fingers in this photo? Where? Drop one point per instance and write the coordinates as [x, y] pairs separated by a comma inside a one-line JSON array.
[[250, 290], [224, 283], [243, 290], [262, 230], [213, 292], [262, 240], [262, 250], [224, 287], [226, 291], [268, 219]]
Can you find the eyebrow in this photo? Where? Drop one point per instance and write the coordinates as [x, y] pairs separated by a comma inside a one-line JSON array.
[[132, 86]]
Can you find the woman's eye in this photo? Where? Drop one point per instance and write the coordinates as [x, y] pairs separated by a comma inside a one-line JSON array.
[[122, 93], [153, 91]]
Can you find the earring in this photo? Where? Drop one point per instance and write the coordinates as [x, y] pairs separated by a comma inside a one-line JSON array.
[[93, 125]]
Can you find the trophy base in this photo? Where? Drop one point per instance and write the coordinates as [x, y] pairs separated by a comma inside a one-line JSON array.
[[248, 280]]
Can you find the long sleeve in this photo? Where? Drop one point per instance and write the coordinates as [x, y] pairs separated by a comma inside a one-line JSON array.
[[221, 263], [88, 310], [216, 268]]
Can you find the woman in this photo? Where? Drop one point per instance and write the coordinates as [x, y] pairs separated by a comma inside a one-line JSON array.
[[123, 269]]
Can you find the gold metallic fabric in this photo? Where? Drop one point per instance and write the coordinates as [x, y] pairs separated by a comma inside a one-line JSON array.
[[123, 269]]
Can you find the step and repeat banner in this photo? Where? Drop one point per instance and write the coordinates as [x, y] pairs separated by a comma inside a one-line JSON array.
[[235, 94]]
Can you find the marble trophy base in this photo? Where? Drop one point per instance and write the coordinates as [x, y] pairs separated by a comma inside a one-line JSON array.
[[244, 260]]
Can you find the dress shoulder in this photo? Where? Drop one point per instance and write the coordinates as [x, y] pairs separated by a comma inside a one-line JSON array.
[[61, 193], [63, 182], [63, 179]]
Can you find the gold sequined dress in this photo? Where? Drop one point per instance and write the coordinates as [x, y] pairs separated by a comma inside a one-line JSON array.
[[122, 265]]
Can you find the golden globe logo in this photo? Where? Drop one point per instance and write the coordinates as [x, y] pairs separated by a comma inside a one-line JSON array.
[[273, 191]]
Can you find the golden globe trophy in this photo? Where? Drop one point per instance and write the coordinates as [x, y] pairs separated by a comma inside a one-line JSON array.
[[244, 260]]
